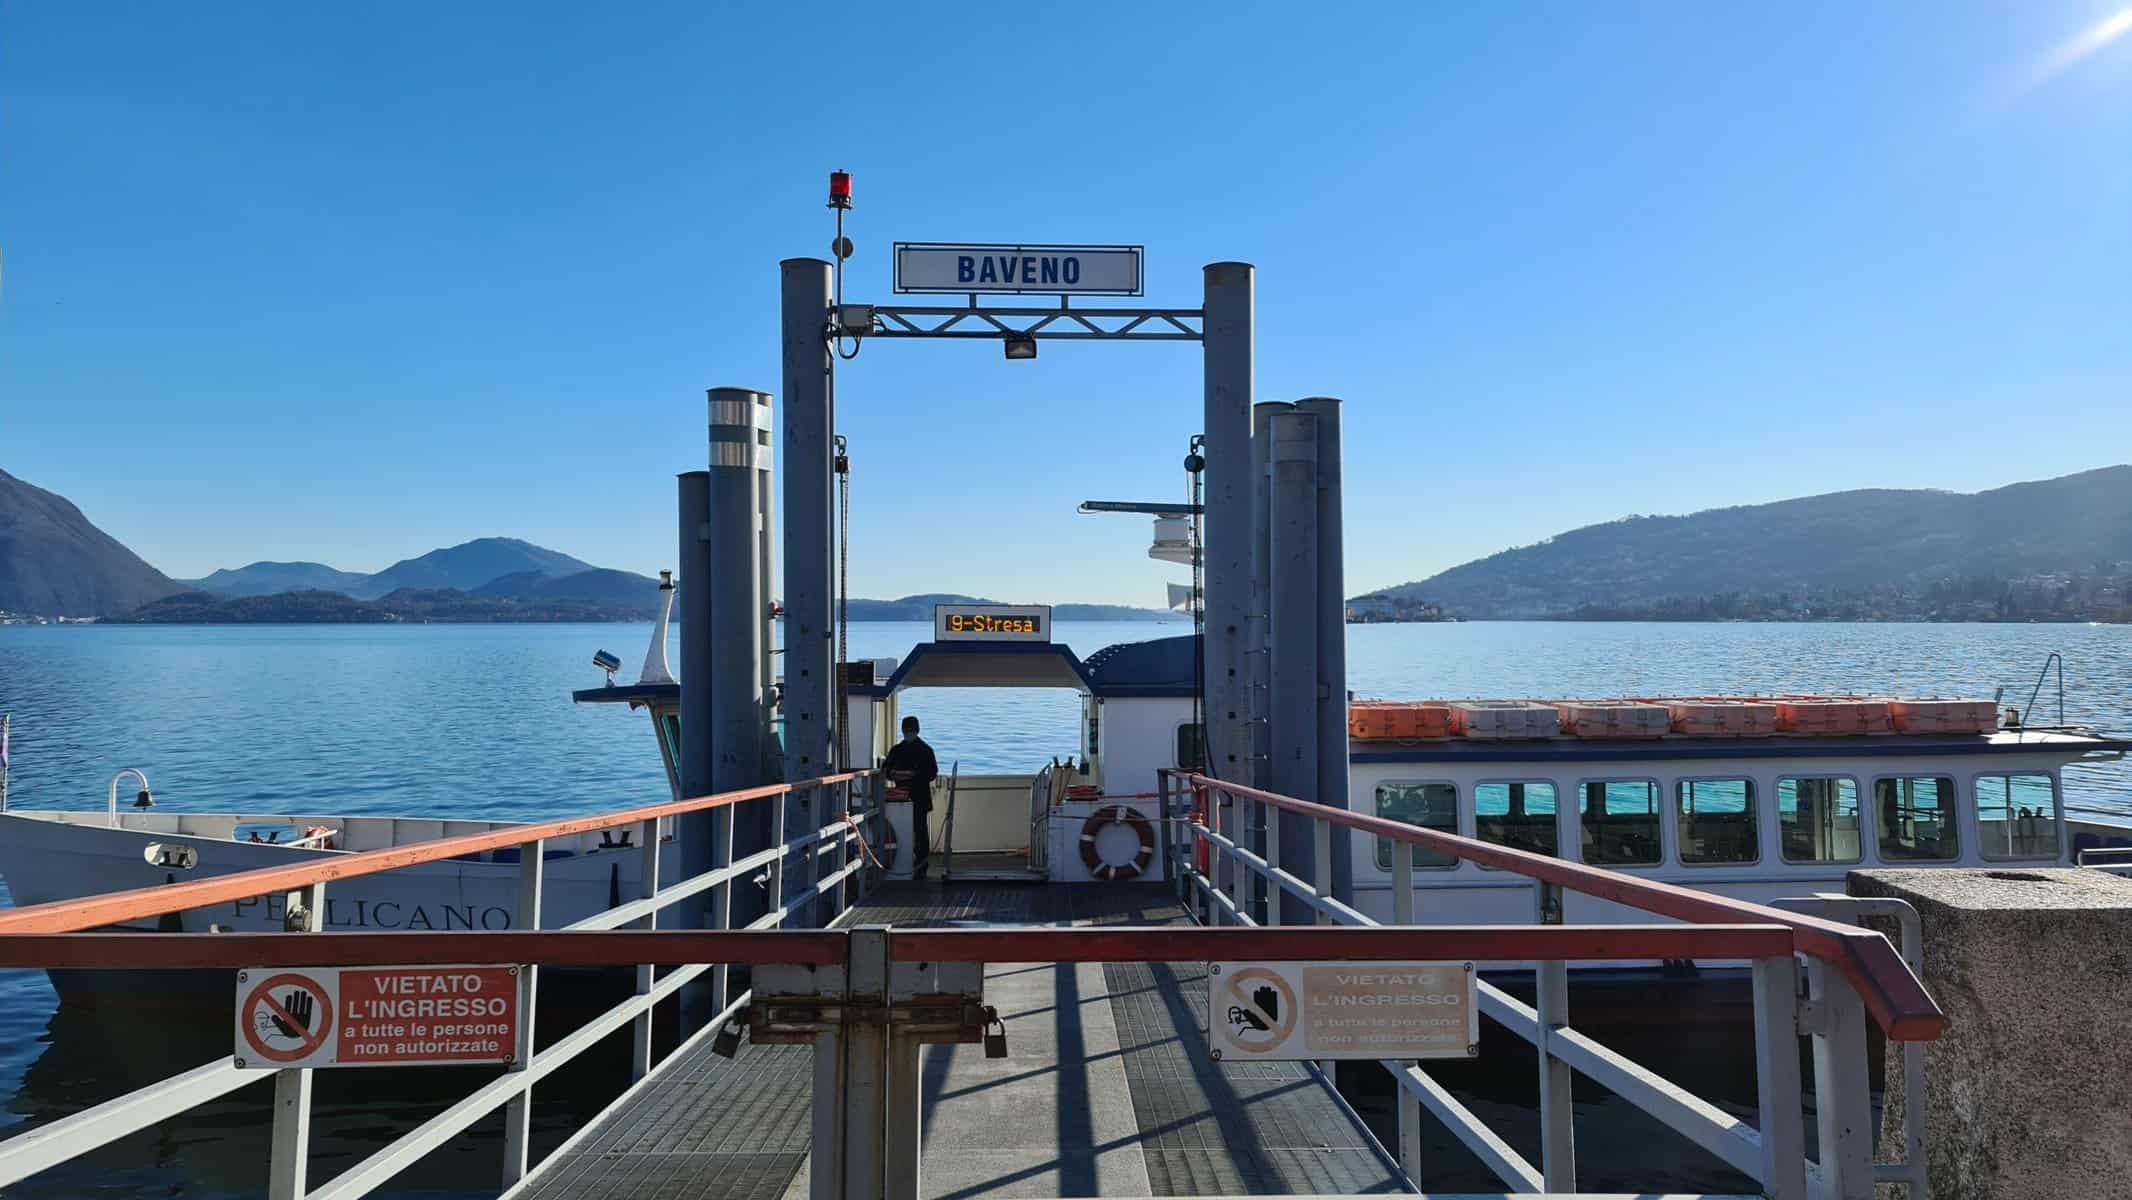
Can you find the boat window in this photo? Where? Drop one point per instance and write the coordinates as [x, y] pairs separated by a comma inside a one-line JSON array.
[[1191, 747], [1429, 805], [1914, 818], [1817, 819], [671, 743], [1518, 815], [1715, 822], [2017, 816], [1620, 822]]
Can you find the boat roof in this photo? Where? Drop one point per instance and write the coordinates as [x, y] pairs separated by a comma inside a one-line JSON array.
[[2065, 742], [1160, 668]]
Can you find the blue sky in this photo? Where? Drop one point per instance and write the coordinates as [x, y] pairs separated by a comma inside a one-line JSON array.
[[352, 282]]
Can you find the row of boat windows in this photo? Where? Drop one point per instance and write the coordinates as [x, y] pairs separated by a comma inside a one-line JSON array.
[[1715, 820]]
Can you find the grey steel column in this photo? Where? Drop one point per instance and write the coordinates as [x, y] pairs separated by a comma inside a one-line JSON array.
[[739, 455], [1227, 548], [1255, 649], [810, 592], [1332, 636], [1293, 640], [694, 832]]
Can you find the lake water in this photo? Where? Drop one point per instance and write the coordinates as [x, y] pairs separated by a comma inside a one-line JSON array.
[[476, 720]]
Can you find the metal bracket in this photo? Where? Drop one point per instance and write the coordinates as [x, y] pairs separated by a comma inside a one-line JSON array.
[[933, 1002], [1055, 324]]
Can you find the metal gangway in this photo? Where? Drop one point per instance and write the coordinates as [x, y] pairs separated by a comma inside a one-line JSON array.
[[862, 1001]]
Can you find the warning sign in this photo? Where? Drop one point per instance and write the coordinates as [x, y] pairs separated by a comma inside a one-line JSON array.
[[376, 1016], [1289, 1011]]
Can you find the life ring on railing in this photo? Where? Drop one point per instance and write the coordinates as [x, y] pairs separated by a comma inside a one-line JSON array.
[[1117, 815]]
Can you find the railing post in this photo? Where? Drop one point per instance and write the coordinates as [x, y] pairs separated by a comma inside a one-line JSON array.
[[647, 887], [867, 1167], [1843, 1109], [1558, 1125], [779, 831], [1777, 1083], [1239, 867], [518, 1113], [1274, 891], [290, 1163], [1321, 884], [722, 899], [1409, 1103], [814, 856]]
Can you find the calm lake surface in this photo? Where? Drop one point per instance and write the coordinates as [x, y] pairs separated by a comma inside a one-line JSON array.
[[476, 720]]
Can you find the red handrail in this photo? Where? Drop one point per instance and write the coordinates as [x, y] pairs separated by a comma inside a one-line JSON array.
[[111, 908], [1893, 995], [674, 947]]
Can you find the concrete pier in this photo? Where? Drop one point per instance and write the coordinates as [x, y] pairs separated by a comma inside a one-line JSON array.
[[2024, 1092]]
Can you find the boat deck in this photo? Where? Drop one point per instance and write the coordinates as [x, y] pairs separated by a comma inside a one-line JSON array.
[[1106, 1090]]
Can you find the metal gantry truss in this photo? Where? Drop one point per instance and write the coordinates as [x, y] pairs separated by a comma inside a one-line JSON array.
[[1056, 324]]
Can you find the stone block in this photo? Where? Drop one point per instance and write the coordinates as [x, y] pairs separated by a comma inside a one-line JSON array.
[[2025, 1092]]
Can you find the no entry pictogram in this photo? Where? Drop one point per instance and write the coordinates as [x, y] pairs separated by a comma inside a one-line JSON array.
[[285, 1020]]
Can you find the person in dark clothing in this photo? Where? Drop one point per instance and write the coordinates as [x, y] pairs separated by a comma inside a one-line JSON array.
[[912, 767]]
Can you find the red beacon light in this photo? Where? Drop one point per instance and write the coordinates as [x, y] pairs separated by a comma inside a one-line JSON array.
[[840, 189]]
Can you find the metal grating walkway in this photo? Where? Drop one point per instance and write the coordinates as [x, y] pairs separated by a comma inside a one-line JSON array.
[[1107, 1089]]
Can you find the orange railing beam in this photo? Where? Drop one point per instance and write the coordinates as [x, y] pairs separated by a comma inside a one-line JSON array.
[[561, 948], [1339, 943], [112, 908], [1894, 996]]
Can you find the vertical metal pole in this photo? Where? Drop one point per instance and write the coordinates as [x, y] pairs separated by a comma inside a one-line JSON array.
[[1332, 638], [1777, 1083], [647, 887], [905, 1104], [1843, 1109], [1321, 852], [289, 1164], [739, 452], [518, 1113], [696, 754], [722, 905], [1266, 818], [1558, 1145], [1293, 644], [1409, 1104], [1226, 551], [866, 1089], [809, 483]]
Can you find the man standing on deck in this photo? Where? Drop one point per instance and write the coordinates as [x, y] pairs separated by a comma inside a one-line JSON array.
[[912, 767]]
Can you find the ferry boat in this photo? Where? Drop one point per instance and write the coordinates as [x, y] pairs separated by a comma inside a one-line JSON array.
[[1756, 797]]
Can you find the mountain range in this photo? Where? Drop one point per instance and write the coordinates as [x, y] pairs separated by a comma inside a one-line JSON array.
[[2051, 549], [1872, 542]]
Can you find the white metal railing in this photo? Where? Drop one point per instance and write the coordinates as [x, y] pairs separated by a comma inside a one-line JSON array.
[[1794, 995], [825, 854]]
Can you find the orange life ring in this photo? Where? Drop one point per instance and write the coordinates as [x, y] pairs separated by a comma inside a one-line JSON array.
[[1118, 815]]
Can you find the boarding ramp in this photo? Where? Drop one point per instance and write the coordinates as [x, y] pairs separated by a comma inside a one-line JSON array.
[[1053, 1040]]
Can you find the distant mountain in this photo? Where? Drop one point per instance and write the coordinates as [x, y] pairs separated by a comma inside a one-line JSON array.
[[268, 578], [469, 565], [1841, 542], [54, 563], [404, 606], [621, 590]]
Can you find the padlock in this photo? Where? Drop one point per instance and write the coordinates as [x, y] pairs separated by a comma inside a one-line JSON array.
[[995, 1034], [726, 1042]]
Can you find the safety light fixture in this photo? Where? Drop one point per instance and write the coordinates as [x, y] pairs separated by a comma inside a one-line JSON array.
[[839, 189], [1021, 346]]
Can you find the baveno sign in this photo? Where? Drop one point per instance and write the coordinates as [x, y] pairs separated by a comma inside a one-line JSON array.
[[943, 267], [376, 1016]]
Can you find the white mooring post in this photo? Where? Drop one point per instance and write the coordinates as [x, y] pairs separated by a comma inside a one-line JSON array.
[[518, 1113], [740, 455], [289, 1165], [1558, 1146]]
